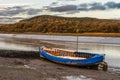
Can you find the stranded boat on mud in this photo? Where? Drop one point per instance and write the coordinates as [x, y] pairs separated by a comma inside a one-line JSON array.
[[74, 58]]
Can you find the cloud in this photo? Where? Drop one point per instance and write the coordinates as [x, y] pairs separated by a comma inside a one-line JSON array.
[[54, 3], [15, 10], [83, 7], [60, 7], [11, 14], [112, 5], [66, 0], [10, 11], [72, 12], [8, 20], [57, 7], [33, 11], [63, 8], [96, 6]]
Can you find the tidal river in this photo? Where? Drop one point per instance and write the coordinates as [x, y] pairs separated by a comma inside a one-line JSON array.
[[110, 46]]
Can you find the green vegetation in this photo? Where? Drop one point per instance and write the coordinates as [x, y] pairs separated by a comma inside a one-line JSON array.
[[54, 24]]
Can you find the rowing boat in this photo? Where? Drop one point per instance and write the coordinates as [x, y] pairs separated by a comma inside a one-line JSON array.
[[73, 58]]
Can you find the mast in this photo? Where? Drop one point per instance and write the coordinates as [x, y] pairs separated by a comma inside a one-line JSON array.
[[77, 40]]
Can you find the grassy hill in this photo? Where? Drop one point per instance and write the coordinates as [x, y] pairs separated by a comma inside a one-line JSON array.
[[54, 24]]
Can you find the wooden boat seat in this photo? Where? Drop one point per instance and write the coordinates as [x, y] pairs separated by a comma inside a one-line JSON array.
[[58, 52]]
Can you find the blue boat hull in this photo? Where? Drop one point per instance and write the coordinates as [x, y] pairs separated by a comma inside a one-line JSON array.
[[94, 60]]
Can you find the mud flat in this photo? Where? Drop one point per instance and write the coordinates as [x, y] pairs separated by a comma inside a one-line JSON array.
[[19, 54], [27, 65]]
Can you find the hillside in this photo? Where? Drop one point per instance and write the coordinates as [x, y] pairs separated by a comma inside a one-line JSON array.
[[54, 24]]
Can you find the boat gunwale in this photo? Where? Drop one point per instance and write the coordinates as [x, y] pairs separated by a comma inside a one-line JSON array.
[[87, 61]]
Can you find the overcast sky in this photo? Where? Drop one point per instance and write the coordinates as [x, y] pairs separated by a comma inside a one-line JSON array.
[[105, 9]]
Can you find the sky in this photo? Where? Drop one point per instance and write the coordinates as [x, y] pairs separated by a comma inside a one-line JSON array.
[[103, 9]]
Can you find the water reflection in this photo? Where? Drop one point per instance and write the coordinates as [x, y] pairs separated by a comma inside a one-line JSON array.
[[81, 77], [16, 46], [66, 38], [111, 51]]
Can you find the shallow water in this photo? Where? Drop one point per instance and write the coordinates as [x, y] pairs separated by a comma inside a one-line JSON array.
[[81, 77], [103, 45], [106, 40], [15, 46]]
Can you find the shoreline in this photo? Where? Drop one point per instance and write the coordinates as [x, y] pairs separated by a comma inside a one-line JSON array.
[[72, 34], [34, 67]]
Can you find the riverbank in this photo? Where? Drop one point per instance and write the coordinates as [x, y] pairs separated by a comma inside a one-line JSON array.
[[72, 34], [85, 34], [31, 68]]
